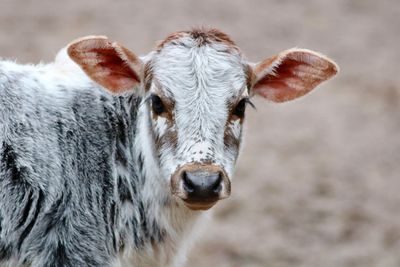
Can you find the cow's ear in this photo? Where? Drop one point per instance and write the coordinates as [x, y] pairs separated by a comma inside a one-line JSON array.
[[107, 63], [291, 74]]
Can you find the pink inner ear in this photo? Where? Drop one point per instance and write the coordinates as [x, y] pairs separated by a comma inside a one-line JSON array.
[[104, 64], [110, 70], [296, 74]]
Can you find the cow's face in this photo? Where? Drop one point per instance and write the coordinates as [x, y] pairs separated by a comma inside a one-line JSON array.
[[196, 88], [197, 93]]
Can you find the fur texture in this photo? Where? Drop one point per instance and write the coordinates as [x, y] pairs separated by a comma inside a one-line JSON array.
[[85, 175], [82, 182]]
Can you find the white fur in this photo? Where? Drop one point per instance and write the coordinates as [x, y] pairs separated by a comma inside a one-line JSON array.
[[209, 79]]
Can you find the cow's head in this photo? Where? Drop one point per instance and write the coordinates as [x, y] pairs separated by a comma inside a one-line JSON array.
[[197, 86]]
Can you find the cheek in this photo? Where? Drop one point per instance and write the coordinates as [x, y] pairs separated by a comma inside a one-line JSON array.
[[236, 129], [160, 125], [164, 135], [232, 141], [233, 136]]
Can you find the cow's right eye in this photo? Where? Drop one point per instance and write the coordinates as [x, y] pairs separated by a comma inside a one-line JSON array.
[[157, 104]]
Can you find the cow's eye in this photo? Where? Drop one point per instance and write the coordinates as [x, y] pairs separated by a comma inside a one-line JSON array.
[[157, 104], [240, 108]]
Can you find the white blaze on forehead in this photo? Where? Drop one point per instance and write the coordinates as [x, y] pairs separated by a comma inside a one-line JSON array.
[[202, 80]]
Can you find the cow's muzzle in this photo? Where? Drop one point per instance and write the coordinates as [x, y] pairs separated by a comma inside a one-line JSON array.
[[200, 186]]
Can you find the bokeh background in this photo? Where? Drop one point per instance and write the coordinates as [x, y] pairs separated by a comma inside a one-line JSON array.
[[318, 182]]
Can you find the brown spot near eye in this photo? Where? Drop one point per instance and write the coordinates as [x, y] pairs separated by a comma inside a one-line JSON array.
[[230, 141], [169, 108], [167, 102], [232, 116], [170, 138]]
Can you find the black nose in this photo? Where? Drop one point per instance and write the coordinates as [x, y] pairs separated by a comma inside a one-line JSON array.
[[202, 185]]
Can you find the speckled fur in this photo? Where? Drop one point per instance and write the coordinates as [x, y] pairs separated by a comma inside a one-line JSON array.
[[85, 175], [80, 179]]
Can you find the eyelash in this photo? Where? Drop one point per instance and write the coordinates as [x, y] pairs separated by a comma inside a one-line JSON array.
[[240, 107], [250, 103]]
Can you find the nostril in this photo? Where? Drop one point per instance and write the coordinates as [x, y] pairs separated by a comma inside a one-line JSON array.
[[217, 187], [187, 183], [202, 185]]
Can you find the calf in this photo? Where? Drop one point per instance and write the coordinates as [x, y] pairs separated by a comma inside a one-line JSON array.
[[115, 170]]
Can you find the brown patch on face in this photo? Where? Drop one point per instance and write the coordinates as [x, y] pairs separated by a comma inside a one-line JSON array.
[[169, 138], [250, 80], [231, 110], [170, 38], [202, 37], [230, 141], [147, 76], [167, 102], [212, 35]]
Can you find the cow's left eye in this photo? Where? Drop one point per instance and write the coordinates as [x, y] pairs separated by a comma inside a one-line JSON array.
[[240, 108], [157, 104]]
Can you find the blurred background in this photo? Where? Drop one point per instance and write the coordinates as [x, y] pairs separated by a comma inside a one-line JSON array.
[[318, 181]]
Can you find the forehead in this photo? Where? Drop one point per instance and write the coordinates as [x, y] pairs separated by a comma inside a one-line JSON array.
[[189, 63]]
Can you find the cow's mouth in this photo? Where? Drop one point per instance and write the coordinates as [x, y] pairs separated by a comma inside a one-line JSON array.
[[199, 205]]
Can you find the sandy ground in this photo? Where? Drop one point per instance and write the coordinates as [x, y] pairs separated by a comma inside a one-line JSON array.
[[318, 181]]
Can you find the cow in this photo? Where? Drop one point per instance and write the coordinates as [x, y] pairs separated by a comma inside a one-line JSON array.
[[111, 159]]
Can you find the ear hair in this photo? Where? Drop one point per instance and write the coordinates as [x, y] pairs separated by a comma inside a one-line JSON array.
[[107, 63], [291, 74]]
